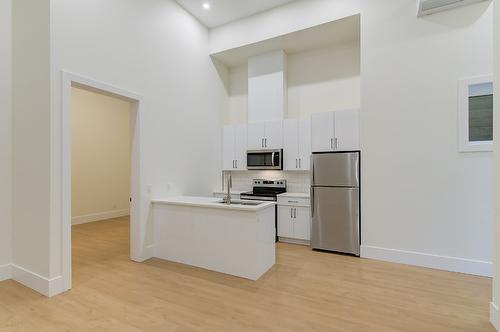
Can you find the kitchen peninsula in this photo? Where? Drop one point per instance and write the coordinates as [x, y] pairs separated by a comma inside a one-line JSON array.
[[236, 239]]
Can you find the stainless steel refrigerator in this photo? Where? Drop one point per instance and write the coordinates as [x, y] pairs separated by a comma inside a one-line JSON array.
[[335, 202]]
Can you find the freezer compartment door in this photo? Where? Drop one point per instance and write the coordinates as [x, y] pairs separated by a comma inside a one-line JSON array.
[[335, 219], [335, 169]]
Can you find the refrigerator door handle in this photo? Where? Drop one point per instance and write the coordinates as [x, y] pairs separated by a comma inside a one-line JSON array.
[[312, 202]]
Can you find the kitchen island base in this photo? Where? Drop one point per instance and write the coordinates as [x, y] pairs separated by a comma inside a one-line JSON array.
[[239, 241]]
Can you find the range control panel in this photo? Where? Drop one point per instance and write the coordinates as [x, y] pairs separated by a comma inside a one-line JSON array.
[[269, 183]]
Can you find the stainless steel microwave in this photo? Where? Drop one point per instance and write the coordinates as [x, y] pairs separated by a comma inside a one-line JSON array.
[[265, 159]]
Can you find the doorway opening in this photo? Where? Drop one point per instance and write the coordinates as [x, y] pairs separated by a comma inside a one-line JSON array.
[[100, 179], [100, 168]]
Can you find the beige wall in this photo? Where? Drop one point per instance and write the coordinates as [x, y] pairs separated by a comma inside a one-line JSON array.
[[496, 228], [320, 80], [5, 133], [100, 156], [31, 135]]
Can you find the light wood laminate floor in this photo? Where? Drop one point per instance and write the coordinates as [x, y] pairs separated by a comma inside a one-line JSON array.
[[304, 291]]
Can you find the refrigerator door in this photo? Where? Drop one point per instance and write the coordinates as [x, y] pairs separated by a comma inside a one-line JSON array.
[[335, 169], [335, 219]]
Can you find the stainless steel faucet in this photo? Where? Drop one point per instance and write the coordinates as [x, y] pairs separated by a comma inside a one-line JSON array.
[[229, 184]]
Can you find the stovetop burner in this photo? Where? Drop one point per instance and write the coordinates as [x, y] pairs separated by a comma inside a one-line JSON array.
[[267, 190]]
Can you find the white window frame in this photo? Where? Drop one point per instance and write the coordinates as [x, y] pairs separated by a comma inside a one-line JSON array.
[[463, 116]]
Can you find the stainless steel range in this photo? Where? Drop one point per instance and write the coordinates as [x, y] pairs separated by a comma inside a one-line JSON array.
[[265, 190]]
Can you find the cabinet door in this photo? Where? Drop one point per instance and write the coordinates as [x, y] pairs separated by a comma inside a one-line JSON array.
[[285, 218], [302, 223], [274, 135], [240, 146], [256, 134], [347, 130], [291, 144], [228, 143], [323, 131], [304, 144]]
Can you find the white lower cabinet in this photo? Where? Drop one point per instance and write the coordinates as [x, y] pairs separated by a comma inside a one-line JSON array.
[[294, 220]]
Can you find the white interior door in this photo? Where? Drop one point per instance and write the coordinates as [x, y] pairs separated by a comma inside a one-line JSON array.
[[347, 130], [291, 144], [322, 127], [256, 134]]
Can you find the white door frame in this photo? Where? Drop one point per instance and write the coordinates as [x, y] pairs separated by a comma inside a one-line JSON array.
[[137, 228]]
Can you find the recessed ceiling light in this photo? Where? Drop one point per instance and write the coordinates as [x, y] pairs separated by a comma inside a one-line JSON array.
[[206, 5]]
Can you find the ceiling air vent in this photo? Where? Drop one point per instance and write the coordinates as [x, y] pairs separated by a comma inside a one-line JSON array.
[[427, 7]]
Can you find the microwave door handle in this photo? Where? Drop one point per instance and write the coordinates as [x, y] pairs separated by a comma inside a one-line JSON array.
[[272, 158]]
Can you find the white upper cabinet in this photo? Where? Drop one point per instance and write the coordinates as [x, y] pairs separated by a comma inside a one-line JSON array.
[[335, 131], [347, 130], [265, 135], [256, 135], [305, 144], [296, 144], [228, 148], [323, 131], [240, 146], [234, 147], [267, 87], [274, 135]]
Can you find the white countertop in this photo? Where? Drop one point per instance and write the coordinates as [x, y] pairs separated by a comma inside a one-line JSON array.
[[295, 195], [233, 192], [209, 202]]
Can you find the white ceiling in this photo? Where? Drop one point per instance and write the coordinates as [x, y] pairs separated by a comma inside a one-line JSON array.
[[225, 11], [328, 34]]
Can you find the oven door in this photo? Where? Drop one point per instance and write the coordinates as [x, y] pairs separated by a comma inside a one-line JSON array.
[[265, 159]]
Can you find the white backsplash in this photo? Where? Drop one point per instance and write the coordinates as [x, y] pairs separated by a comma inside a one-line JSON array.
[[297, 182]]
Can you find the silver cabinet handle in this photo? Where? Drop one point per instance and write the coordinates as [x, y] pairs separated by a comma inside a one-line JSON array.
[[236, 162], [296, 163], [300, 162], [331, 143], [233, 163], [291, 213], [293, 202], [295, 213], [265, 142], [262, 143], [336, 143]]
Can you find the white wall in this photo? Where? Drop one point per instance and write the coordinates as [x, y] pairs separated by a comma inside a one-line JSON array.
[[319, 80], [495, 314], [100, 175], [5, 132], [31, 135], [156, 49], [324, 79], [420, 195]]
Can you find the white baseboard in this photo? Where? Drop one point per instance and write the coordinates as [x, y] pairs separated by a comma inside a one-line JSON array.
[[148, 252], [44, 286], [495, 316], [5, 272], [294, 241], [454, 264], [99, 216]]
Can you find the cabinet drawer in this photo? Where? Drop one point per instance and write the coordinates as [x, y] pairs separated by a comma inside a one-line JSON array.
[[294, 201]]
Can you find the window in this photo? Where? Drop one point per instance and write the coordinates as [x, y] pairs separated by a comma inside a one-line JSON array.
[[476, 114]]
